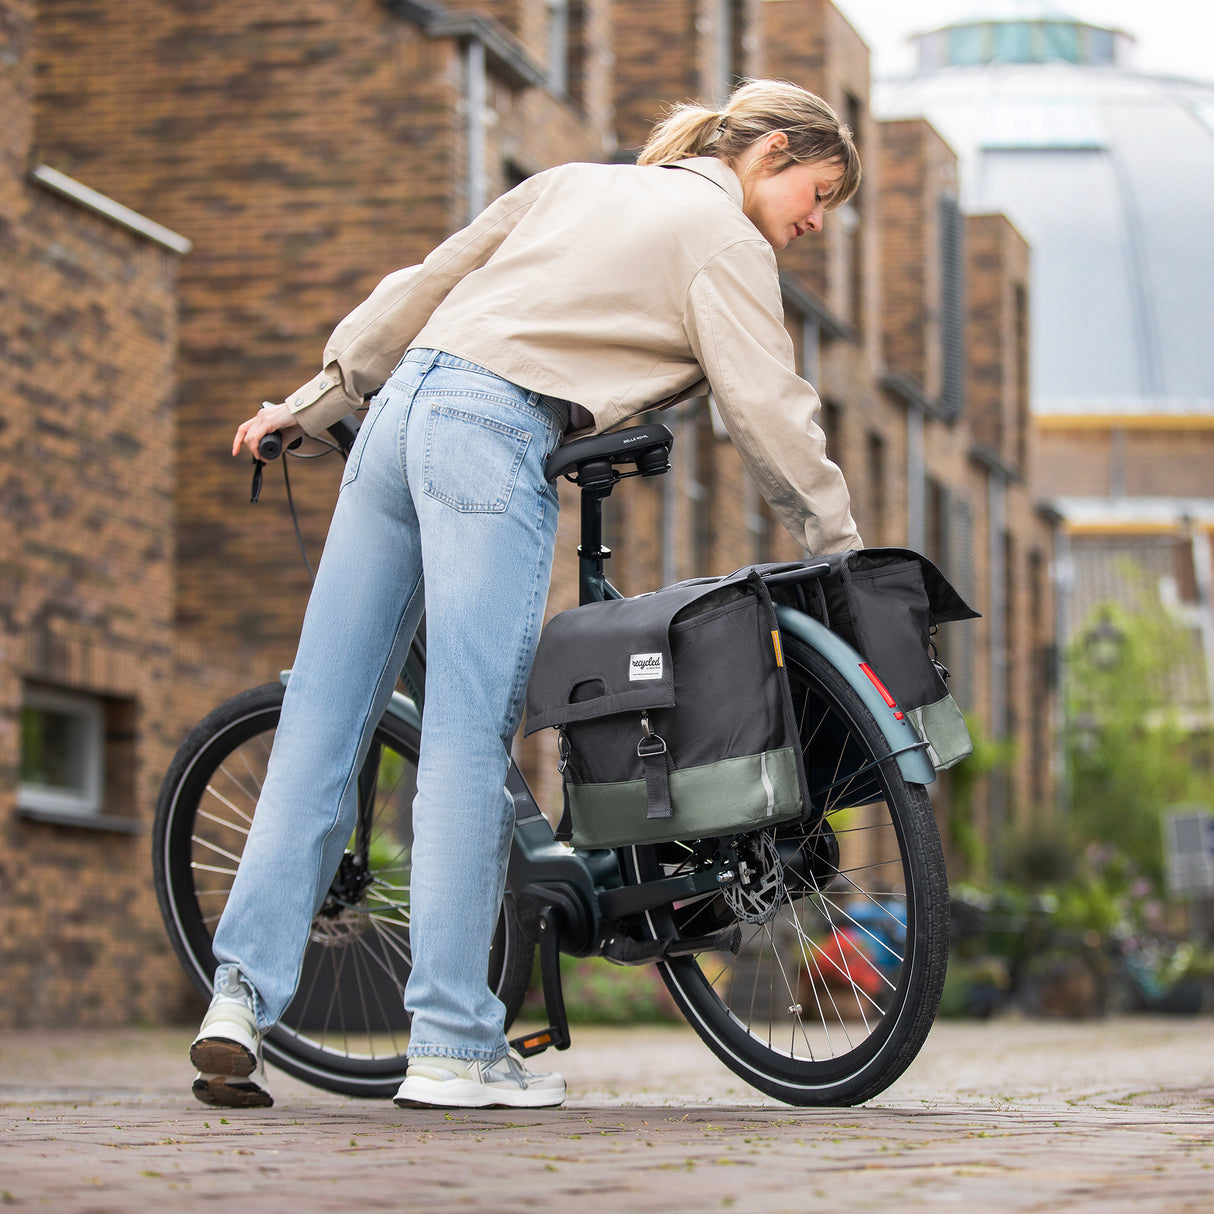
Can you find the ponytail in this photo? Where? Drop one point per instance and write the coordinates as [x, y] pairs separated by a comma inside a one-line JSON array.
[[686, 131]]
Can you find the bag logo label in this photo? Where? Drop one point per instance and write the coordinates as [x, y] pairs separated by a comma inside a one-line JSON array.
[[644, 666]]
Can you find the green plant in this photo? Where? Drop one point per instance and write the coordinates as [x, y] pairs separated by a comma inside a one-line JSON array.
[[598, 992], [1129, 750], [965, 842]]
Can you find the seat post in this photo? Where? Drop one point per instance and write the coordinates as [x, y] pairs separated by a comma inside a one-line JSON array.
[[592, 585]]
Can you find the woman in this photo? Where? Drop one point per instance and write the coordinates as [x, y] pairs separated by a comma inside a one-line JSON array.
[[587, 294]]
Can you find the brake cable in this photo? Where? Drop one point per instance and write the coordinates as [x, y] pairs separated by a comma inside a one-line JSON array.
[[255, 492]]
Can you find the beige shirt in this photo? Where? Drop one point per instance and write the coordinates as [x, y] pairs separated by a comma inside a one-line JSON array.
[[621, 288]]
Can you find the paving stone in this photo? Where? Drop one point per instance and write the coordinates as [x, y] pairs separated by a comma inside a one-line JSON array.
[[1006, 1115]]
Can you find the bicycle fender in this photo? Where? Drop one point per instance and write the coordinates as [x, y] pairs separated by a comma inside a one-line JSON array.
[[908, 748], [399, 706]]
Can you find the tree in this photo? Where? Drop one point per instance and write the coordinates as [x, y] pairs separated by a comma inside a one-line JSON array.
[[1131, 750]]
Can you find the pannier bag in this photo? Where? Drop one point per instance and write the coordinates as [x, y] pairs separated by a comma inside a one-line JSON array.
[[886, 603], [673, 712]]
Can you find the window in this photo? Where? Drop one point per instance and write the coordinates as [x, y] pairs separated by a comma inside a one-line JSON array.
[[952, 307], [558, 45], [1021, 354], [567, 49], [1101, 46], [1061, 41], [700, 491], [735, 23], [968, 45], [935, 546], [1013, 43], [62, 747], [852, 218], [832, 427], [874, 527]]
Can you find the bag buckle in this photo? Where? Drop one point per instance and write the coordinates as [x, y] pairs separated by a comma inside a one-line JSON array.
[[651, 744], [563, 750]]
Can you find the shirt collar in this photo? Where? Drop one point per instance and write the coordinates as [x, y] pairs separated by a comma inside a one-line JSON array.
[[714, 170]]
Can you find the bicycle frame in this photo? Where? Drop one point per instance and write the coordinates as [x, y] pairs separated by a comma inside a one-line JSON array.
[[564, 895]]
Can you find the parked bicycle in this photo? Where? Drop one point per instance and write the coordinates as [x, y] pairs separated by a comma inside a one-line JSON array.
[[809, 957]]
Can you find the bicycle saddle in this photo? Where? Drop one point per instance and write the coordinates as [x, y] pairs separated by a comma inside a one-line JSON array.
[[593, 458]]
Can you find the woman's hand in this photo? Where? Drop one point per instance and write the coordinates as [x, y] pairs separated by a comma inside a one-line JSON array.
[[267, 420]]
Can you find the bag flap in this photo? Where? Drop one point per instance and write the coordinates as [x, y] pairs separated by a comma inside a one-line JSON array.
[[945, 603], [609, 657]]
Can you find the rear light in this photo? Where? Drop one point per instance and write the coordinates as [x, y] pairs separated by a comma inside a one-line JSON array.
[[883, 690]]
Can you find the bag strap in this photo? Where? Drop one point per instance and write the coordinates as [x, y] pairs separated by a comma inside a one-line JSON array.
[[655, 761], [791, 724], [563, 831]]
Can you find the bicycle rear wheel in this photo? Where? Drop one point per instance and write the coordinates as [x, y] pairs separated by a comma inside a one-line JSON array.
[[844, 921], [346, 1030]]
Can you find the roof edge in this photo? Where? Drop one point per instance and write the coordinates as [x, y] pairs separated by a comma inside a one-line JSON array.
[[101, 204]]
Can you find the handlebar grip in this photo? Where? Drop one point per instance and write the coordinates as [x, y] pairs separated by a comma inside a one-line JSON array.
[[270, 446]]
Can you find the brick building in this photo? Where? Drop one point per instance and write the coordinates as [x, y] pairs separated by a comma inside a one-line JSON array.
[[301, 154], [1110, 170], [88, 327]]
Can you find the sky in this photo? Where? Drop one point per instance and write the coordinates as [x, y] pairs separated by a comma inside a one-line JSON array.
[[1174, 37]]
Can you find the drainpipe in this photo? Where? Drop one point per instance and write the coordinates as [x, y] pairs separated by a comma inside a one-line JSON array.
[[997, 503], [475, 96], [1204, 577], [1064, 579]]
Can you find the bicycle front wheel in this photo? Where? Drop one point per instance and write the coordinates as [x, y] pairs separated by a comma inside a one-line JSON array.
[[346, 1029], [843, 922]]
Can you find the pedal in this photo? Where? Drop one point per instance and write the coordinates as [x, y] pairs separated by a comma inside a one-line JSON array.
[[624, 950], [556, 1035]]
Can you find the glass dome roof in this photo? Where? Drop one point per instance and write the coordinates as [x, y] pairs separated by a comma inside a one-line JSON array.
[[1019, 31]]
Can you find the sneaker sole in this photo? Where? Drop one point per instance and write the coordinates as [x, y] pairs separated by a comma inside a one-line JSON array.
[[223, 1056], [229, 1092], [453, 1094]]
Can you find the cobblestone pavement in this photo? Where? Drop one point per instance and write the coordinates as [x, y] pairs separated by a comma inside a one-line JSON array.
[[1007, 1115]]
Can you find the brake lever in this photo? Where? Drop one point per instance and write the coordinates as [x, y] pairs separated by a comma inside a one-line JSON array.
[[269, 448], [255, 492]]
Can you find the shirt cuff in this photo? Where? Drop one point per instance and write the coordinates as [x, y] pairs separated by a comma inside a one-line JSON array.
[[319, 403]]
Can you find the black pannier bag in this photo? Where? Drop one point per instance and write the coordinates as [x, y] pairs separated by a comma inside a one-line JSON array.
[[887, 603], [673, 712]]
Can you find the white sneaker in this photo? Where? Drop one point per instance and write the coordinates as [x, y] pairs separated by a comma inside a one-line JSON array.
[[227, 1051], [459, 1083]]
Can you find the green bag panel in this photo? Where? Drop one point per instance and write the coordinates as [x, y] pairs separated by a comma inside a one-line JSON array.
[[942, 726], [729, 796]]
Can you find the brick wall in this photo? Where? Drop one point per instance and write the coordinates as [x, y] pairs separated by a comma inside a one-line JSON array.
[[305, 156], [918, 170], [88, 325], [1141, 457]]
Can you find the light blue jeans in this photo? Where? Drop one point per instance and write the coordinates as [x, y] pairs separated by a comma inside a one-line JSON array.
[[447, 471]]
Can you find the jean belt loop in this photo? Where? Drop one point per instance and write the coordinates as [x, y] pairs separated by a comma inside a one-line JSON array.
[[559, 408]]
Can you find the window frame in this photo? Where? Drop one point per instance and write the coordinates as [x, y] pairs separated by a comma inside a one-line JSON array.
[[88, 803]]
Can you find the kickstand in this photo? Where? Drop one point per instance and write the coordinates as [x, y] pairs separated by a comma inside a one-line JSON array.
[[556, 1035]]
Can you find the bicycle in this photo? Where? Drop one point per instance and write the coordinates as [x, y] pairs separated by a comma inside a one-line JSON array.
[[809, 958]]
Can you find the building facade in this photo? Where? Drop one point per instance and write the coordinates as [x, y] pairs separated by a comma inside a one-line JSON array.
[[1107, 171], [192, 196]]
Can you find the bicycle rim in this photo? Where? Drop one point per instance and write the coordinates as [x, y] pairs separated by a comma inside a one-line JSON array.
[[843, 924], [346, 1029]]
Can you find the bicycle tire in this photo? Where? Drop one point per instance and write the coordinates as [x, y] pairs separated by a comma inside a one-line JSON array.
[[829, 999], [346, 1030]]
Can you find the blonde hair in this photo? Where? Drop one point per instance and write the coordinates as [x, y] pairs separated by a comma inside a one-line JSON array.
[[755, 109]]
